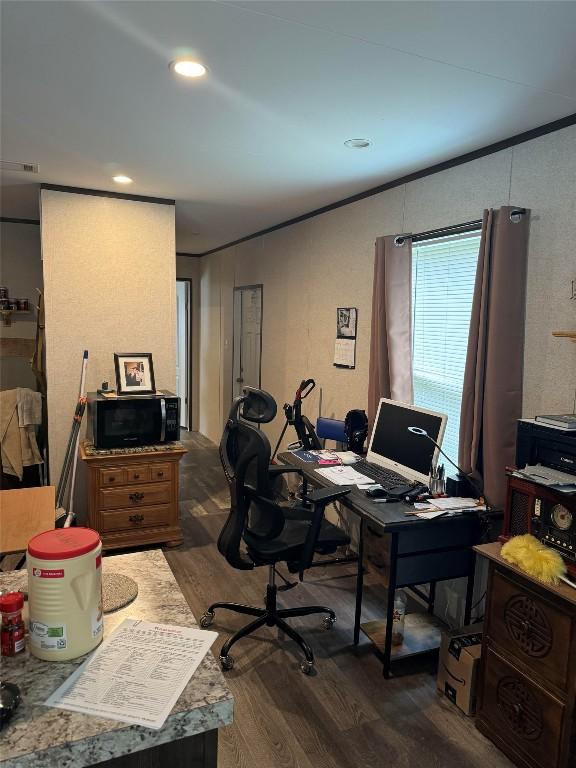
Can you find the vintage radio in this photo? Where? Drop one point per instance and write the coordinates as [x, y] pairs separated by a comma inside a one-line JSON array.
[[549, 515], [557, 525]]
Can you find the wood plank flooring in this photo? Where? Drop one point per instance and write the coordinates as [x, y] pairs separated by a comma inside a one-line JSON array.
[[347, 715]]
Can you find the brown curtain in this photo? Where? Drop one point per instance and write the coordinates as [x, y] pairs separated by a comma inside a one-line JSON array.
[[390, 373], [492, 392]]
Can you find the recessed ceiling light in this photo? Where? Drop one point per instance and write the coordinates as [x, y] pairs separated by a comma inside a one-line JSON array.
[[188, 68], [121, 179], [357, 143]]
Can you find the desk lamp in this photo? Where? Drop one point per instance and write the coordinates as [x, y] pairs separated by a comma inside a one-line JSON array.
[[473, 483]]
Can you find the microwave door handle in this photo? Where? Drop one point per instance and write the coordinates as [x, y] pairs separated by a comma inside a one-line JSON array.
[[163, 417]]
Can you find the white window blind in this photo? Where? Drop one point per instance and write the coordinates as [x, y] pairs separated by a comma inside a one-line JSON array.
[[443, 275]]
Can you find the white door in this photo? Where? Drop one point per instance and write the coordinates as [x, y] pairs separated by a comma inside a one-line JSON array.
[[247, 337], [183, 349]]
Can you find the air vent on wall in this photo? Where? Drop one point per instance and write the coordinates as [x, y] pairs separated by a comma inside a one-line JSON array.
[[7, 165]]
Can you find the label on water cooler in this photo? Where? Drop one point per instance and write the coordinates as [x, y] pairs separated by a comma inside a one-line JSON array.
[[48, 637]]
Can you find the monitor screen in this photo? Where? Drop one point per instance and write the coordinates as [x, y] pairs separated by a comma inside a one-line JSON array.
[[394, 446]]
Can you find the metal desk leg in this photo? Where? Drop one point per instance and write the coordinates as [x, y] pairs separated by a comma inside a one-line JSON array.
[[470, 589], [431, 597], [359, 583], [390, 606]]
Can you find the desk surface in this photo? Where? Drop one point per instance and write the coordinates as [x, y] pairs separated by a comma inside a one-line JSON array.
[[390, 516], [54, 738]]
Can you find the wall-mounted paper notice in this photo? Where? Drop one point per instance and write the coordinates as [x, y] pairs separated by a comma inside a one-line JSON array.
[[345, 352], [137, 674], [345, 347]]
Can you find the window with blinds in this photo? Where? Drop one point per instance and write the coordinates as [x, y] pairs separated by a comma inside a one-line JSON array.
[[443, 275]]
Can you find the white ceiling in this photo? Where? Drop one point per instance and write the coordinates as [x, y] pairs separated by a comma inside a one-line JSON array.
[[86, 93]]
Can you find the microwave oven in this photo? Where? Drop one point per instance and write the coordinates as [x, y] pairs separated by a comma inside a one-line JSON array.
[[133, 420]]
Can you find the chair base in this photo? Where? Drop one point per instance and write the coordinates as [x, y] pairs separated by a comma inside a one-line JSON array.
[[269, 616]]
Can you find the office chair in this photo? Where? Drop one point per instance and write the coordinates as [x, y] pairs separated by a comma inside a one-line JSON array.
[[271, 532]]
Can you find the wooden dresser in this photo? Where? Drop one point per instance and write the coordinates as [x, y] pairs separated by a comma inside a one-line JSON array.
[[528, 671], [133, 496]]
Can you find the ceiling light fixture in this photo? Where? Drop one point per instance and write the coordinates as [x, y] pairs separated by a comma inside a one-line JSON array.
[[357, 143], [188, 68], [121, 179]]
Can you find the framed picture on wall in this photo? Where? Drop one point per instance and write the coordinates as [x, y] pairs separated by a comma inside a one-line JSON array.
[[134, 373]]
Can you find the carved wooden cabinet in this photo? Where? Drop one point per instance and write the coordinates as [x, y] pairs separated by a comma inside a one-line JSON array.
[[528, 671], [133, 495]]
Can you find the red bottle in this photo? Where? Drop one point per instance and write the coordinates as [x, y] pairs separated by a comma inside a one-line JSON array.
[[12, 630]]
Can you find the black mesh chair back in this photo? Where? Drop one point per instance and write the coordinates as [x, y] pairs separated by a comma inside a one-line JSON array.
[[245, 457]]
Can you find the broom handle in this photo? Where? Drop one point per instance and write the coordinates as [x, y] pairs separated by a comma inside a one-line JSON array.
[[82, 401], [77, 419]]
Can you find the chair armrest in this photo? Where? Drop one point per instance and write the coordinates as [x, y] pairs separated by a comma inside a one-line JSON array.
[[275, 469], [324, 496]]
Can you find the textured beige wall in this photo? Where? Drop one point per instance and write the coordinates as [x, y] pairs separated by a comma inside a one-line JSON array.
[[311, 268], [21, 273], [110, 283]]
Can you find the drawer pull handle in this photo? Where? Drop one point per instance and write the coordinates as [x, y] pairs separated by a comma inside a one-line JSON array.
[[136, 518], [136, 477], [160, 474], [136, 497], [111, 479]]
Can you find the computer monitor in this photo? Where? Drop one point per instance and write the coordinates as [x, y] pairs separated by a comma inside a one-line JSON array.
[[394, 446]]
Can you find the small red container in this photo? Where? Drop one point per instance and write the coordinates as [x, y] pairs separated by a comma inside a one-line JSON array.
[[12, 629]]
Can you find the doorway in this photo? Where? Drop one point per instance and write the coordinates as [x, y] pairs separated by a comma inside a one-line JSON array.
[[246, 368], [183, 351]]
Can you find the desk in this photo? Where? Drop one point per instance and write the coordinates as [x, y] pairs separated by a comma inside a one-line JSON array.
[[404, 551], [44, 737]]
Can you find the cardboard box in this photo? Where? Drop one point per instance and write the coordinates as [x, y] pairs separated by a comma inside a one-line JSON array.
[[458, 666]]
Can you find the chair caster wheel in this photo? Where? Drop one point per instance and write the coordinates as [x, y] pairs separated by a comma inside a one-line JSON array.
[[206, 619], [328, 622], [226, 662], [307, 667]]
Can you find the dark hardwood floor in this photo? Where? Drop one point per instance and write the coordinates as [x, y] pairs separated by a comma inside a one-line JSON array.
[[347, 715]]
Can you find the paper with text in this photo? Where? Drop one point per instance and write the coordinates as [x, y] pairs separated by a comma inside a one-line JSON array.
[[345, 352], [137, 674]]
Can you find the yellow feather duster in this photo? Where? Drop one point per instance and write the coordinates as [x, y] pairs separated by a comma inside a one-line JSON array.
[[534, 558]]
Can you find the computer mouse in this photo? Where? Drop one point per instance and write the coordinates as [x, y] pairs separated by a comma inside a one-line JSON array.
[[349, 458], [377, 493]]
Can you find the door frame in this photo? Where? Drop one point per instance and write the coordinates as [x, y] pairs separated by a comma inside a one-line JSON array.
[[245, 288], [189, 347]]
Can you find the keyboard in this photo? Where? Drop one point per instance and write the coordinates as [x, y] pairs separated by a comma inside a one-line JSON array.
[[386, 477]]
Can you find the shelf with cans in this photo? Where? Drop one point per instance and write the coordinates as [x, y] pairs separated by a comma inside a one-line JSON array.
[[10, 307]]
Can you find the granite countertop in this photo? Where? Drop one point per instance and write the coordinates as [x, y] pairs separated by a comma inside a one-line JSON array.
[[44, 737]]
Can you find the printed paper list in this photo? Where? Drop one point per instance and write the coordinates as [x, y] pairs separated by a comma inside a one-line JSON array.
[[137, 674]]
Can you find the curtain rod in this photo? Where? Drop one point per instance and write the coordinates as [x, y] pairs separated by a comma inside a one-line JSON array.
[[468, 226]]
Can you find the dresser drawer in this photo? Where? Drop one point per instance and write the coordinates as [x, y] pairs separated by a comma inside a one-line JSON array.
[[134, 496], [526, 717], [133, 519], [111, 477], [530, 629], [138, 474], [377, 553], [161, 471]]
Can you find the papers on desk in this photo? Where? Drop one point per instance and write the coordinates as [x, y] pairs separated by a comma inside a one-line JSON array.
[[137, 674], [344, 475], [428, 510], [454, 502]]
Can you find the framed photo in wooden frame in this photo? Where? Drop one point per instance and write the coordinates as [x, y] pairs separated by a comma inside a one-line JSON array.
[[134, 373]]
